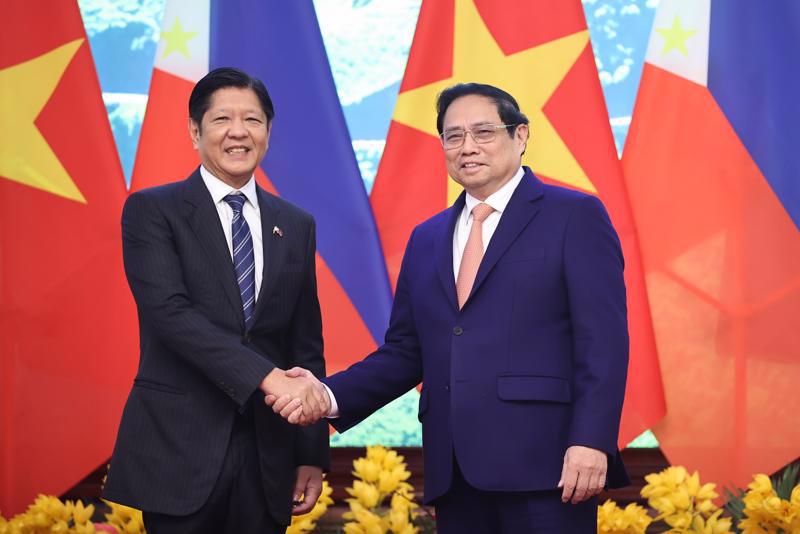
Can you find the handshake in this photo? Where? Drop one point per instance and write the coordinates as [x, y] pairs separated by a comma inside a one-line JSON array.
[[296, 395]]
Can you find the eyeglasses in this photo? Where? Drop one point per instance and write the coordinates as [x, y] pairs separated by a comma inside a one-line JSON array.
[[485, 133]]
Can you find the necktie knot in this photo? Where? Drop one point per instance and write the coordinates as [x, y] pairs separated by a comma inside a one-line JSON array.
[[235, 201], [481, 211]]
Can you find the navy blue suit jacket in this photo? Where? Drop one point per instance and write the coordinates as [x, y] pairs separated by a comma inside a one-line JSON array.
[[534, 362], [199, 366]]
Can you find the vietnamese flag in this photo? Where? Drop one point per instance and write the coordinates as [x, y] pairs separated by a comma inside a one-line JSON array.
[[542, 56], [714, 182], [67, 321]]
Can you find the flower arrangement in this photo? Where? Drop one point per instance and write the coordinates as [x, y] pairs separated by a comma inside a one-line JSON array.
[[382, 502], [302, 524], [683, 503], [380, 474], [611, 519], [49, 514], [772, 507]]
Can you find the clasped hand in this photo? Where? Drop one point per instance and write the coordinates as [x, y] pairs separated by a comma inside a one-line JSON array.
[[297, 395]]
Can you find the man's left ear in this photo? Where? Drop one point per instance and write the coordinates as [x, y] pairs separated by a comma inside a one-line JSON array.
[[523, 134]]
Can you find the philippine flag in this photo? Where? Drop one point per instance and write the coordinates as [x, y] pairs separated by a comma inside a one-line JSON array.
[[310, 160], [714, 182]]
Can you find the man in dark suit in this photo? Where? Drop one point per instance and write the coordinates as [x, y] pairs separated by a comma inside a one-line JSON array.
[[223, 274], [510, 309]]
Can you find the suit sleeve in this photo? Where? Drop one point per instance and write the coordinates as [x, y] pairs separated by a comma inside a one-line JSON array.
[[389, 372], [154, 272], [596, 291], [306, 348]]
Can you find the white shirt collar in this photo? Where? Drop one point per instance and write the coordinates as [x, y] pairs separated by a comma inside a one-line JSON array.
[[220, 189], [499, 199]]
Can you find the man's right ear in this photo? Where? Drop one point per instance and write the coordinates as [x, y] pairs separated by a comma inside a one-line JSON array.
[[194, 132]]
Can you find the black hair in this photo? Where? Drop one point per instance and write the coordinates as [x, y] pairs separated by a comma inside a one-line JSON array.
[[223, 77], [507, 106]]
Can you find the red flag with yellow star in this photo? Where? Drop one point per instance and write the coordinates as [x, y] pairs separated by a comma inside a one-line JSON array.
[[67, 325], [543, 57]]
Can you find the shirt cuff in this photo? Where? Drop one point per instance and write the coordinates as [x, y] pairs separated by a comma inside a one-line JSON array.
[[334, 411]]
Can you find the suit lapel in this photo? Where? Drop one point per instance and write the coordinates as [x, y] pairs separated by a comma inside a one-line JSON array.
[[202, 216], [444, 250], [521, 209], [274, 247]]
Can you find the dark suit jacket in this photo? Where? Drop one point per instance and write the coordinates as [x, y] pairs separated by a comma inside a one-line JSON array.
[[199, 367], [534, 362]]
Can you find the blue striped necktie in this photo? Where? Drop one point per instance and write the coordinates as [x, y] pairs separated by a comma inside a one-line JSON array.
[[243, 257]]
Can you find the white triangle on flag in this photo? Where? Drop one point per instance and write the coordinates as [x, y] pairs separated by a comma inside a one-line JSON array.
[[679, 39], [183, 48]]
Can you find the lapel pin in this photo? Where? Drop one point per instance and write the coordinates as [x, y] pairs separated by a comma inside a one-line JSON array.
[[277, 231]]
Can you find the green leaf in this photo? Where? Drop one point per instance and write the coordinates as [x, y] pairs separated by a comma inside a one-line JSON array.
[[734, 505], [786, 481]]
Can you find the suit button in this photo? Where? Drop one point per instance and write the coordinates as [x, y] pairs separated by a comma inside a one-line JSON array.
[[458, 330], [447, 388]]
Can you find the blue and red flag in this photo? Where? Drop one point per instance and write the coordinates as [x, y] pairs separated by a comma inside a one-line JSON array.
[[310, 161], [714, 183]]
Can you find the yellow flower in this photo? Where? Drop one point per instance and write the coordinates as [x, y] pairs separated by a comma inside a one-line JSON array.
[[82, 514], [300, 525], [389, 481], [611, 519], [679, 520], [125, 519], [403, 498], [761, 484], [392, 460], [367, 494], [713, 525], [366, 521], [366, 469], [765, 512], [377, 453]]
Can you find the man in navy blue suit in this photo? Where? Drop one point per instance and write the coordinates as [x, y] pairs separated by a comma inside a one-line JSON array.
[[510, 309]]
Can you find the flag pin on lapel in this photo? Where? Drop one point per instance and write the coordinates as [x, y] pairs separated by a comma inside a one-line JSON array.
[[277, 231]]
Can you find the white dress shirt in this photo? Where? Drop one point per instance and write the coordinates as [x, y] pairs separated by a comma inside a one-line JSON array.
[[251, 213], [498, 200]]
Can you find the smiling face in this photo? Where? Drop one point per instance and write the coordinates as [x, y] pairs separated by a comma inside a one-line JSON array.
[[482, 168], [233, 135]]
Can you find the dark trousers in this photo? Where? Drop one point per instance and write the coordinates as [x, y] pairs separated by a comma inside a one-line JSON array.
[[237, 504], [467, 510]]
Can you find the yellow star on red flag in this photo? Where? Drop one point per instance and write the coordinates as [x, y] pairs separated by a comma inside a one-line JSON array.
[[25, 155], [478, 58]]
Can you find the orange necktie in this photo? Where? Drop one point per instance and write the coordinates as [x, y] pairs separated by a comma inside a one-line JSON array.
[[473, 253]]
